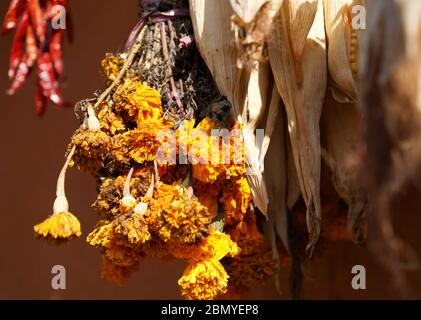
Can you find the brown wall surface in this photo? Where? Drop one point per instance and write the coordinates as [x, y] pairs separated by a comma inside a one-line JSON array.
[[32, 153]]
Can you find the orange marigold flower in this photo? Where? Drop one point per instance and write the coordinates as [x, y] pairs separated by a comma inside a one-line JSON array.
[[207, 195], [207, 124], [102, 234], [140, 102], [236, 200], [142, 143], [111, 66], [117, 249], [63, 225], [183, 221], [134, 227], [116, 274], [247, 236], [110, 122], [215, 246], [91, 146], [203, 280]]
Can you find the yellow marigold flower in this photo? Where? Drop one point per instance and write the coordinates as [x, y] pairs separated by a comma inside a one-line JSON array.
[[134, 227], [207, 173], [142, 143], [156, 249], [63, 225], [140, 102], [114, 273], [163, 195], [91, 146], [207, 195], [236, 200], [109, 121], [203, 280], [183, 221], [117, 248], [111, 66], [102, 234], [215, 246], [207, 124], [247, 236], [121, 253]]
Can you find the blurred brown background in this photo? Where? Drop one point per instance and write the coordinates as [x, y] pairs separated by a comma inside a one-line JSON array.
[[32, 153]]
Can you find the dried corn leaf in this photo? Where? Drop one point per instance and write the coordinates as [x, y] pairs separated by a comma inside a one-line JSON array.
[[301, 82], [276, 174], [246, 10], [342, 48], [251, 22], [340, 125]]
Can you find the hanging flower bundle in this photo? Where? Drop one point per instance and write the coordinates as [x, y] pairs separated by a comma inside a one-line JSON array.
[[151, 140], [36, 45]]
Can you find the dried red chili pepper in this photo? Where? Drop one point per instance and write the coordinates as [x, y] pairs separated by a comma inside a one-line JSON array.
[[31, 46], [34, 43], [38, 22], [40, 101], [21, 75], [47, 79], [16, 8], [56, 51], [16, 51]]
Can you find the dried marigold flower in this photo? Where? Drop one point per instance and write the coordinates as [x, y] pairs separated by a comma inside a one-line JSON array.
[[247, 236], [117, 249], [139, 102], [102, 234], [215, 246], [110, 122], [203, 280], [140, 144], [111, 66], [208, 195], [134, 227], [91, 146], [111, 191], [61, 225], [183, 221], [116, 274], [236, 198], [121, 253]]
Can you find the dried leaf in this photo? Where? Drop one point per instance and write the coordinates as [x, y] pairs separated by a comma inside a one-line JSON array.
[[301, 82]]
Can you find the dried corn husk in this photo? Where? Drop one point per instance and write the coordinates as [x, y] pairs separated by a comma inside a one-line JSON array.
[[276, 174], [213, 34], [340, 124], [214, 37], [254, 93], [251, 23], [301, 82], [342, 48], [247, 10]]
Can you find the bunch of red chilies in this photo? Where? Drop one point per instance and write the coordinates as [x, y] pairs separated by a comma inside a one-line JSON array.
[[36, 44]]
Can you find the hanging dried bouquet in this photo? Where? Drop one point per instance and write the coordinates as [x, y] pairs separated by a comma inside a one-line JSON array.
[[149, 141]]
